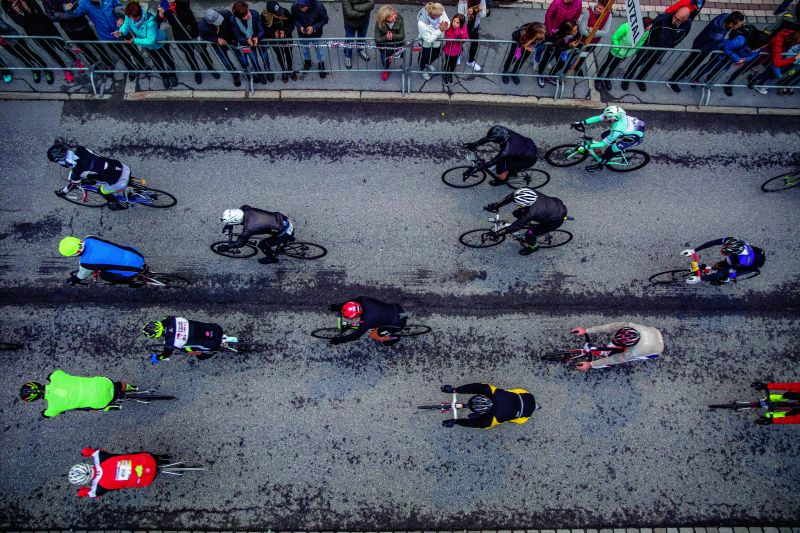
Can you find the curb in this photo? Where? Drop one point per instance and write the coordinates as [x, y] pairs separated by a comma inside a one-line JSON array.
[[721, 529], [51, 96]]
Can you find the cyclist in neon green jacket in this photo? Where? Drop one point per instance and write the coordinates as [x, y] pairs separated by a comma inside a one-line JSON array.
[[626, 132], [66, 392]]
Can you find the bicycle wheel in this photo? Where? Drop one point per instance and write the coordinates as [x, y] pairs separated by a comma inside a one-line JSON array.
[[532, 178], [781, 182], [737, 406], [86, 198], [670, 276], [152, 198], [437, 407], [10, 346], [412, 330], [166, 280], [454, 177], [565, 155], [554, 239], [628, 161], [146, 397], [247, 347], [479, 238], [302, 250], [326, 333], [248, 250], [559, 356]]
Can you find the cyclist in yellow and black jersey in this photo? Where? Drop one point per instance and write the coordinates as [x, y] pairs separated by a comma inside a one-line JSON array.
[[492, 406]]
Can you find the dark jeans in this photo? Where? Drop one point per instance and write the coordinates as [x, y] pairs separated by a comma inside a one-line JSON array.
[[474, 33], [386, 51], [52, 49], [352, 31], [267, 244], [129, 55], [251, 60], [747, 67], [222, 54], [22, 50], [691, 62], [162, 58], [189, 51], [429, 55], [449, 66], [547, 55], [284, 55], [644, 61], [609, 66], [513, 65]]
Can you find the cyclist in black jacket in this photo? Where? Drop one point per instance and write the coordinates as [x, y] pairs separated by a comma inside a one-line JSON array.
[[516, 153], [491, 406], [198, 338], [258, 222], [547, 211], [364, 314], [110, 174]]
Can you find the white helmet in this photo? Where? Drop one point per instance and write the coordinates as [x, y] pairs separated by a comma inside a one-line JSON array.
[[614, 113], [232, 216], [81, 474], [525, 197]]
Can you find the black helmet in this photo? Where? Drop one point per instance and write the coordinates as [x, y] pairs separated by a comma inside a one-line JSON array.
[[498, 134], [57, 153], [480, 404], [31, 391]]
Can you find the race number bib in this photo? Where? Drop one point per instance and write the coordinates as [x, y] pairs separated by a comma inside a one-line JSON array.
[[123, 470], [181, 332]]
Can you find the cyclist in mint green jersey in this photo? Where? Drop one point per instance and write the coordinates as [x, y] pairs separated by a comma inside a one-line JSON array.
[[66, 392], [626, 132]]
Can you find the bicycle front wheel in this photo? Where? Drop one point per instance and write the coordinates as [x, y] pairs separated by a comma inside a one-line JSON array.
[[412, 330], [737, 406], [152, 198], [782, 182], [145, 397], [480, 238], [559, 357], [437, 407], [628, 161], [454, 177], [244, 252], [302, 250], [166, 280], [326, 333], [10, 346], [670, 276], [554, 239], [531, 178], [86, 198], [564, 155]]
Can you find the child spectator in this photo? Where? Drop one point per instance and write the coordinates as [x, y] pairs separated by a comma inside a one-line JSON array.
[[525, 38], [474, 11], [452, 48]]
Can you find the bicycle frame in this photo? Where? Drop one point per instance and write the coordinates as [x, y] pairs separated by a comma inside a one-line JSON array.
[[586, 140], [697, 269]]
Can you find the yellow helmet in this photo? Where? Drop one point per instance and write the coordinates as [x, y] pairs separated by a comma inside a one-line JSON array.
[[70, 246]]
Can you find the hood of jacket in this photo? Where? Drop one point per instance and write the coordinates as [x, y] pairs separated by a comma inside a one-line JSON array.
[[308, 3], [423, 16]]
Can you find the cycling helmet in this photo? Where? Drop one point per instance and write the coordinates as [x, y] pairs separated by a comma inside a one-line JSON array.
[[733, 246], [57, 153], [70, 246], [81, 474], [232, 216], [525, 197], [154, 329], [351, 310], [31, 391], [498, 134], [626, 337], [614, 113], [480, 404]]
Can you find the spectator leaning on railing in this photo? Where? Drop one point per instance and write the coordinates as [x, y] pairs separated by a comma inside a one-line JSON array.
[[432, 22], [248, 31], [141, 28], [557, 12], [310, 17], [526, 38], [740, 48], [356, 24], [474, 11], [279, 25], [452, 48], [390, 35], [591, 16], [20, 49], [217, 28], [76, 28], [622, 38], [778, 45], [181, 19]]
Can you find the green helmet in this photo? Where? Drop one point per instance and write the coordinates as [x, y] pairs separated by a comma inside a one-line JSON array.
[[31, 391], [154, 329], [69, 246]]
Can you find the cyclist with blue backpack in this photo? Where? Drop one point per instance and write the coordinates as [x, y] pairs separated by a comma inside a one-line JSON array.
[[114, 263]]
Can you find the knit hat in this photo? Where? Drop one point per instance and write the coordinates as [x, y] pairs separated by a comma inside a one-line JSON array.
[[214, 17]]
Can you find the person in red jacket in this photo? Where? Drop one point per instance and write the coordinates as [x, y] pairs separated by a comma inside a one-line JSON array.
[[779, 44], [114, 471], [694, 7], [791, 392]]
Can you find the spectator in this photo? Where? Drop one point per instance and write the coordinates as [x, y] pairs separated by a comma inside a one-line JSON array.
[[740, 48], [75, 28], [279, 24], [474, 11], [567, 40], [20, 49], [694, 7], [184, 28], [356, 24], [217, 28], [668, 30], [432, 22], [557, 12], [778, 45], [586, 22], [623, 37], [525, 38], [248, 31], [141, 28], [390, 36], [28, 15], [709, 40], [792, 74], [452, 48], [310, 17]]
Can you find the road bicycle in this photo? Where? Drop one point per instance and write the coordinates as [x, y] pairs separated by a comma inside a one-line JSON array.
[[146, 277], [781, 182], [465, 176], [691, 275], [486, 237], [87, 194], [10, 346], [567, 155], [444, 407], [177, 468], [142, 396], [290, 248], [772, 403], [229, 344], [572, 357], [344, 326]]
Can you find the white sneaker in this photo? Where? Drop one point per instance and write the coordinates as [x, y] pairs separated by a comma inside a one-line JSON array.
[[426, 75], [761, 90], [475, 66], [458, 62]]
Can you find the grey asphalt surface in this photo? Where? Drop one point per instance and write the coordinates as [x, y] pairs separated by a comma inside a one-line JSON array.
[[304, 436]]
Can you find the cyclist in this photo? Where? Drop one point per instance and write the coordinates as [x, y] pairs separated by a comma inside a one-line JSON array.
[[84, 164], [740, 258], [258, 222], [548, 212], [792, 393], [115, 263], [66, 392], [363, 314], [630, 342], [516, 153], [200, 339], [492, 406], [114, 471], [625, 132]]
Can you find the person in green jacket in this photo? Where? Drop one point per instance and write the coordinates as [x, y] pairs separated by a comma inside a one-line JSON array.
[[622, 37], [141, 27], [390, 36], [66, 392]]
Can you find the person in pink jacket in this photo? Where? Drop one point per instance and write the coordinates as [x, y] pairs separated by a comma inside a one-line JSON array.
[[452, 48]]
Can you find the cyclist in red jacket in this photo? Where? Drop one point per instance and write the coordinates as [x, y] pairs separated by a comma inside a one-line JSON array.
[[791, 393], [114, 471]]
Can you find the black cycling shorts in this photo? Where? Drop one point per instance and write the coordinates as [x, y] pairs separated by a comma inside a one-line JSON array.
[[514, 165]]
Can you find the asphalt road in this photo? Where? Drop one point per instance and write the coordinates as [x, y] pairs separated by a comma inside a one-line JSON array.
[[304, 436]]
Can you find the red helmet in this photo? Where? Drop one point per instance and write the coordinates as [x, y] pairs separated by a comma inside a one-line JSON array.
[[351, 310], [626, 337]]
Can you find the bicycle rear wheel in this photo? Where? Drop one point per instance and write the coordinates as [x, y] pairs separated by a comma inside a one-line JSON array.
[[533, 178], [10, 346], [166, 280], [559, 357], [412, 330], [781, 182], [670, 276], [302, 250], [152, 198], [248, 250], [86, 198], [326, 333], [454, 177], [737, 406], [565, 155], [480, 238], [628, 161], [554, 239]]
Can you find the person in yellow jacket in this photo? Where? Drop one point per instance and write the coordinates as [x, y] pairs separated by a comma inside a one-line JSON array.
[[66, 392], [492, 406]]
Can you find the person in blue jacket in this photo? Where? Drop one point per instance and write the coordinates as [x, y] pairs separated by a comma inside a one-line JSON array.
[[142, 28], [115, 263], [248, 29], [738, 49], [310, 16]]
